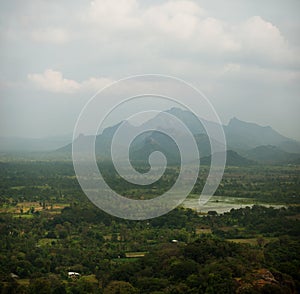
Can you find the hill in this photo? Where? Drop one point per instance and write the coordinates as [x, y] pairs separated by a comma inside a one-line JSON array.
[[232, 159], [249, 140], [271, 154], [242, 135]]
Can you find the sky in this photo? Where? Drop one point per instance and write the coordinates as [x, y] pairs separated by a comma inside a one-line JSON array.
[[243, 55]]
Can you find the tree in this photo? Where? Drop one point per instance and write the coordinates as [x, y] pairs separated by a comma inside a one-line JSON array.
[[120, 287], [40, 286]]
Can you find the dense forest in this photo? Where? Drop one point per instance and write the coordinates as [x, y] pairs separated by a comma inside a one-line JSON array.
[[56, 181], [50, 231]]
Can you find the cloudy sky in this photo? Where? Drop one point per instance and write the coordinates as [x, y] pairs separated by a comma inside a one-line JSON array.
[[244, 55]]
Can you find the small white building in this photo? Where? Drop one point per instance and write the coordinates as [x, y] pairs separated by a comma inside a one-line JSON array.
[[14, 276], [73, 275]]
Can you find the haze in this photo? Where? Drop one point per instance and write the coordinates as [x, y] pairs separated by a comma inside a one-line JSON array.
[[244, 55]]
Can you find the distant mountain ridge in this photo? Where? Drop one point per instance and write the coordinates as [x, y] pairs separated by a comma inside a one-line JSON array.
[[270, 154], [247, 143], [245, 135], [232, 159]]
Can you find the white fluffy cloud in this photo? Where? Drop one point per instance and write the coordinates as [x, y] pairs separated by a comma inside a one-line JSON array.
[[261, 39], [175, 36], [177, 19], [183, 26], [121, 14], [53, 81], [167, 23]]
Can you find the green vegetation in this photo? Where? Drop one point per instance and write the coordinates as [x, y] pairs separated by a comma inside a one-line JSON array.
[[49, 228]]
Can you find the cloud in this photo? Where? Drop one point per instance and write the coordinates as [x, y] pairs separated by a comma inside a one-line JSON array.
[[231, 68], [53, 81], [112, 14], [184, 28], [95, 84], [168, 23], [178, 19], [50, 35], [238, 54], [262, 41]]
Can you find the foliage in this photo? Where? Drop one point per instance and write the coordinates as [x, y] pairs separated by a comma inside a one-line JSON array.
[[49, 228]]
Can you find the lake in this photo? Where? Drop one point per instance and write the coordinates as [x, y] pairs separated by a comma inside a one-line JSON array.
[[222, 204]]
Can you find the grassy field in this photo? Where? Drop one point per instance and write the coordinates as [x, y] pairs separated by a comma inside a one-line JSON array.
[[23, 208], [135, 254], [253, 241], [203, 231]]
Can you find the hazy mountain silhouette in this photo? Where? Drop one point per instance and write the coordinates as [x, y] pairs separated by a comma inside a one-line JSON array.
[[246, 142], [250, 141], [232, 158], [270, 154], [244, 135]]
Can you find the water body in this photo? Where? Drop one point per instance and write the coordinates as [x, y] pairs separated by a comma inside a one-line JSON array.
[[222, 204]]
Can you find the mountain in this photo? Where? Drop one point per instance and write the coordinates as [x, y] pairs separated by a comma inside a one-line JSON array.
[[232, 159], [141, 147], [242, 135], [154, 141], [250, 141], [247, 142], [291, 146], [270, 154]]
